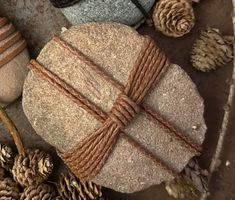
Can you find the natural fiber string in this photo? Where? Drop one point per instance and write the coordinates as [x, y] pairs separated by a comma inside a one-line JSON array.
[[141, 8], [8, 38], [13, 53], [59, 84], [10, 41], [155, 117], [63, 3], [88, 157], [7, 32]]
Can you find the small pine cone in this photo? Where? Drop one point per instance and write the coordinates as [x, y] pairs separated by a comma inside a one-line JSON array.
[[179, 188], [197, 176], [71, 188], [174, 18], [210, 50], [40, 192], [9, 190], [32, 169], [6, 157]]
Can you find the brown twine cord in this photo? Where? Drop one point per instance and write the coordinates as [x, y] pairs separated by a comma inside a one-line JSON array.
[[3, 21], [10, 126], [16, 51], [89, 155], [7, 32], [184, 140], [10, 41]]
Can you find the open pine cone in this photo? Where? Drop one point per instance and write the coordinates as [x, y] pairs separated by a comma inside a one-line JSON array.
[[40, 192], [9, 190], [174, 18], [71, 188], [6, 157], [32, 169], [210, 50], [192, 180]]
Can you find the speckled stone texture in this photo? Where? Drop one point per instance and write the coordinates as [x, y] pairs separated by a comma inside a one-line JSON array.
[[122, 11], [12, 76], [63, 124]]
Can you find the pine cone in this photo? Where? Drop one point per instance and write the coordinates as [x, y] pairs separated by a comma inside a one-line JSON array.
[[9, 190], [40, 192], [174, 18], [6, 157], [197, 176], [71, 188], [179, 188], [32, 169], [192, 179], [210, 50]]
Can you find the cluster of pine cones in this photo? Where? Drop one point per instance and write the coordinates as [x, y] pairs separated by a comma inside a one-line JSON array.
[[24, 177], [175, 18]]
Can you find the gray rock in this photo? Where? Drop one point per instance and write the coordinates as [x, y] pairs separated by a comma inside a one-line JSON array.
[[63, 124], [122, 11]]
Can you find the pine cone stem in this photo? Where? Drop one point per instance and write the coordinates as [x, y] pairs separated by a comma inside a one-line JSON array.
[[10, 126]]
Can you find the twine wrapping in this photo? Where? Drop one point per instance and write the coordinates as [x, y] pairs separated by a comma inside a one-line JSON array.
[[9, 38], [88, 157], [13, 53], [63, 3], [141, 8]]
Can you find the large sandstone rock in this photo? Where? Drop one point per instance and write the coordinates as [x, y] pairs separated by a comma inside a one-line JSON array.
[[14, 58], [63, 124]]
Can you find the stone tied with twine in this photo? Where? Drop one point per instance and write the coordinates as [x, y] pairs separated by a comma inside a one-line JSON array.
[[117, 111], [128, 12], [14, 58]]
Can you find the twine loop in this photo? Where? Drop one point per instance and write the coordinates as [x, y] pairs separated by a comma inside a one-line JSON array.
[[123, 111]]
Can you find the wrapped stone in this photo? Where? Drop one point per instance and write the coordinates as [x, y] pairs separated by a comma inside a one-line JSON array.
[[14, 58], [122, 11], [91, 63]]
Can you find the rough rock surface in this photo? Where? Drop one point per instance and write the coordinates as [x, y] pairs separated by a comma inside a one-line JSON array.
[[62, 123], [12, 76], [122, 11]]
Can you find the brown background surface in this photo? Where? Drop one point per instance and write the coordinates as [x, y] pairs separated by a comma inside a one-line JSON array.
[[37, 20]]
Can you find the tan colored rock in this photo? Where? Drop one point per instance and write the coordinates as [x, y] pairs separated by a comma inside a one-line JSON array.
[[63, 124], [14, 58]]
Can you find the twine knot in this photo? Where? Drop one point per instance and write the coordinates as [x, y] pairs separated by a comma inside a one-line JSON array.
[[123, 111]]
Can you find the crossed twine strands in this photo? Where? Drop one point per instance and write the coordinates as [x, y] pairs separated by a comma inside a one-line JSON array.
[[10, 37], [88, 157]]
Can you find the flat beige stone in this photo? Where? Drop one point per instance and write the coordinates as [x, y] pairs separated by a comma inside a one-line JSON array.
[[63, 124]]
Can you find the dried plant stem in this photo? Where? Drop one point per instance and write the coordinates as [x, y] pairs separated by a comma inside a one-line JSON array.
[[225, 122], [9, 125]]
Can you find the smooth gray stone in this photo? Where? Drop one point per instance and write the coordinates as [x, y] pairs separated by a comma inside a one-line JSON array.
[[122, 11]]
